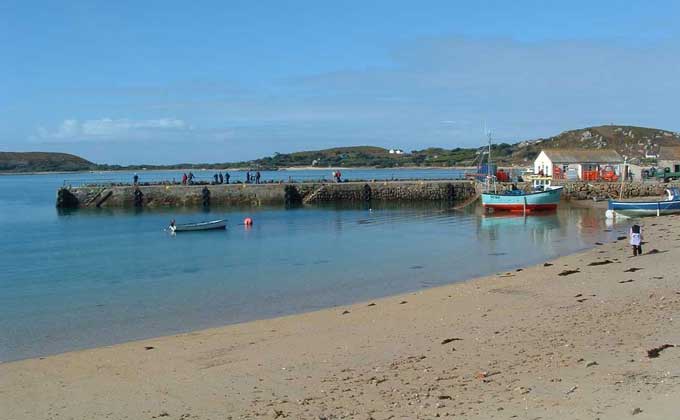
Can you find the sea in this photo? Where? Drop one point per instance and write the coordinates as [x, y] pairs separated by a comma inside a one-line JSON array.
[[71, 280]]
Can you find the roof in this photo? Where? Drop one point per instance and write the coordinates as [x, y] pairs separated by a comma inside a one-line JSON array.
[[583, 155], [669, 153]]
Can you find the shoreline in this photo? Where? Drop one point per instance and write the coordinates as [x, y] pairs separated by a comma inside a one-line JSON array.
[[516, 343], [243, 169], [393, 294], [357, 303]]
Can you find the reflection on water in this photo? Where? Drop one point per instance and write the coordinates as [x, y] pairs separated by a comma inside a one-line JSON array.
[[86, 278]]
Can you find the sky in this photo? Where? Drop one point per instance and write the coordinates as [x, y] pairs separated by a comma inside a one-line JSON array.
[[214, 81]]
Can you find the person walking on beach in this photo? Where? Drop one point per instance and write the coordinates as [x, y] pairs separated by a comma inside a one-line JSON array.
[[257, 177], [636, 239]]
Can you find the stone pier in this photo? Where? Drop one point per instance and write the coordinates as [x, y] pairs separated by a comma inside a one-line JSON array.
[[172, 195]]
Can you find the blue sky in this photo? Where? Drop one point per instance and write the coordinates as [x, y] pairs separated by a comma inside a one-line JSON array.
[[163, 82]]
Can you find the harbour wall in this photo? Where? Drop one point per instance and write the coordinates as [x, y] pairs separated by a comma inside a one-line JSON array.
[[601, 190], [173, 195], [606, 190]]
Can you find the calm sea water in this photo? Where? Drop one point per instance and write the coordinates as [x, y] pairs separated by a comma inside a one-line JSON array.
[[89, 278]]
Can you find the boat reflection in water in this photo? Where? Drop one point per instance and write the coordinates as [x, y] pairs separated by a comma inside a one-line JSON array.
[[539, 224], [541, 233]]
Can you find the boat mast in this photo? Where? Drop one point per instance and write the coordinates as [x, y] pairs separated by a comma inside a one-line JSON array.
[[489, 177], [488, 159]]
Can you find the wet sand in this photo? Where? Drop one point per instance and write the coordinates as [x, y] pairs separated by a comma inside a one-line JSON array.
[[568, 339]]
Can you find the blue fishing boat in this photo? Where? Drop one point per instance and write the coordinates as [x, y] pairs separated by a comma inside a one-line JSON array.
[[543, 196], [521, 201], [670, 205]]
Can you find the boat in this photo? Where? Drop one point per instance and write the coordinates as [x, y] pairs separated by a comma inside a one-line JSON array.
[[521, 201], [192, 227], [542, 197], [670, 205]]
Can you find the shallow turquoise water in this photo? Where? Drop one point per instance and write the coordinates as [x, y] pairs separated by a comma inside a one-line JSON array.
[[89, 278]]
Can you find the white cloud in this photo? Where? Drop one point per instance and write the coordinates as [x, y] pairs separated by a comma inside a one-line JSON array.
[[112, 129]]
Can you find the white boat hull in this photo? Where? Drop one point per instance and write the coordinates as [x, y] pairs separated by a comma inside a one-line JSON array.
[[193, 227]]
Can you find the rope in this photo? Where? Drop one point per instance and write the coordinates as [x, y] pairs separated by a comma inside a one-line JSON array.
[[468, 201]]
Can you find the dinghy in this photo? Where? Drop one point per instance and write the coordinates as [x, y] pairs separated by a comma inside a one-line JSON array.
[[670, 205], [191, 227]]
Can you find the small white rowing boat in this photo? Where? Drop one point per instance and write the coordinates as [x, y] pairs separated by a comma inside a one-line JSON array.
[[191, 227]]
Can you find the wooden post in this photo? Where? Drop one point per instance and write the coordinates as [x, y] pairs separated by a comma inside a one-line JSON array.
[[525, 205], [623, 177]]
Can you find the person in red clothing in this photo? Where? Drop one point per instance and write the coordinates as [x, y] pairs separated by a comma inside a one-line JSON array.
[[184, 179]]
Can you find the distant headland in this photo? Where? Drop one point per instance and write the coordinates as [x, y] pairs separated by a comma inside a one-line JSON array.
[[638, 143]]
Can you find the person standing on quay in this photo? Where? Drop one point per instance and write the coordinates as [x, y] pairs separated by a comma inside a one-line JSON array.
[[135, 179], [221, 177], [226, 177], [257, 177]]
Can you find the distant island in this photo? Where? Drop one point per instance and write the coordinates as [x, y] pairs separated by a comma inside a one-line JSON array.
[[18, 162], [638, 143]]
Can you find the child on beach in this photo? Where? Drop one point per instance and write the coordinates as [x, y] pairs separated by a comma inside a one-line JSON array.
[[636, 239]]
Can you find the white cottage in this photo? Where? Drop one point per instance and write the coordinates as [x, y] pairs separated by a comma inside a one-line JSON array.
[[583, 164]]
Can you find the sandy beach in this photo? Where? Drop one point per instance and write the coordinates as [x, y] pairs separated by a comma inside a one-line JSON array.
[[568, 339]]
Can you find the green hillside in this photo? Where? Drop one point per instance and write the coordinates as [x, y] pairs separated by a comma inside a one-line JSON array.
[[42, 162], [632, 142]]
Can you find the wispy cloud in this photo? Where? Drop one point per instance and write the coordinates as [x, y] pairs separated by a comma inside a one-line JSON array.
[[108, 129], [433, 92]]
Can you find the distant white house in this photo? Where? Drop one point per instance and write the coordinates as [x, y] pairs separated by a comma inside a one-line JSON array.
[[396, 152], [582, 164]]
